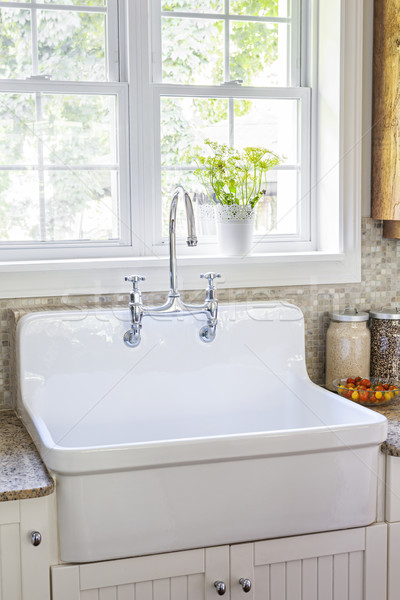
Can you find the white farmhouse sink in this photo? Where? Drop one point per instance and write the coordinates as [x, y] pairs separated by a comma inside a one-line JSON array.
[[179, 444]]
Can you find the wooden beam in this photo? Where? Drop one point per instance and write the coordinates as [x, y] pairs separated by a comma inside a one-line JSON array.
[[386, 113]]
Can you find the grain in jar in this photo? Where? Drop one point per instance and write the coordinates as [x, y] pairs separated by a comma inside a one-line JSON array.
[[385, 343], [347, 346]]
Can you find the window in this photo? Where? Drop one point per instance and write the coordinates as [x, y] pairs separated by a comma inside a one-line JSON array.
[[100, 101], [231, 71], [62, 149]]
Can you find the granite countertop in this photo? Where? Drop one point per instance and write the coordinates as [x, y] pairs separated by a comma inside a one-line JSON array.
[[22, 473], [392, 413]]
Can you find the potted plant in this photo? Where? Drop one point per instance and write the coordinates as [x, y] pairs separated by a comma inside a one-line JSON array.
[[235, 182]]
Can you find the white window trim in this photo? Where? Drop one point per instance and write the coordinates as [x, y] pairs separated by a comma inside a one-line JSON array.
[[336, 182]]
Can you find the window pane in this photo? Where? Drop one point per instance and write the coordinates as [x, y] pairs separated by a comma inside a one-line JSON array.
[[192, 51], [19, 206], [78, 129], [258, 53], [81, 205], [15, 43], [268, 123], [71, 45], [259, 8], [277, 213], [202, 6], [18, 142], [44, 196], [187, 122]]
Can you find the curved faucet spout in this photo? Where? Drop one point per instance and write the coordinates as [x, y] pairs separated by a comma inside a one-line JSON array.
[[191, 238]]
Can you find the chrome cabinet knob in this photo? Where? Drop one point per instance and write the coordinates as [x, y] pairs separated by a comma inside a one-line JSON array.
[[36, 538], [246, 584], [220, 587]]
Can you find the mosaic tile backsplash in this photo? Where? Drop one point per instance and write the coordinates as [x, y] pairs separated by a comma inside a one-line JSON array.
[[379, 287]]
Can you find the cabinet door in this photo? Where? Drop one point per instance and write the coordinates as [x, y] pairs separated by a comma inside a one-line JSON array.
[[393, 561], [338, 565], [188, 575], [10, 557], [24, 568]]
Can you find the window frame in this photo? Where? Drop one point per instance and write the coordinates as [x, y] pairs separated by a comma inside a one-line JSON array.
[[337, 259]]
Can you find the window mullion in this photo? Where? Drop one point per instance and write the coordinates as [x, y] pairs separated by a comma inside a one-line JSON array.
[[42, 197], [226, 42], [294, 43], [238, 91], [112, 49], [34, 38], [156, 35], [227, 68], [39, 120]]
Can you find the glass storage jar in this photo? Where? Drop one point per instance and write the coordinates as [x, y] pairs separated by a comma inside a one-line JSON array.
[[385, 343], [347, 346]]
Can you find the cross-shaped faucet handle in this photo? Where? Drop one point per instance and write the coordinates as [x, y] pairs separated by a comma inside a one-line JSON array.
[[210, 276], [134, 279]]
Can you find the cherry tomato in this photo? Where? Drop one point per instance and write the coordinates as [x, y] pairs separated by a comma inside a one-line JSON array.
[[366, 382], [378, 396], [357, 379], [364, 395], [385, 386], [355, 396], [379, 388]]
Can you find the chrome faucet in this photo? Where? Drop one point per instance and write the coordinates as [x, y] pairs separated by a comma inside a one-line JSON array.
[[191, 239], [174, 305]]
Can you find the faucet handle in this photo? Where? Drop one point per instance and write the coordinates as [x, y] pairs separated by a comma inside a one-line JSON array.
[[134, 279], [210, 276]]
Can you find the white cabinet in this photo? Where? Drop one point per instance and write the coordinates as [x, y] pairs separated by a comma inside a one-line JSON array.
[[24, 568], [187, 575], [339, 565], [393, 519]]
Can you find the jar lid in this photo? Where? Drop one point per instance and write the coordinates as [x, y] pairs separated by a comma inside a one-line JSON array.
[[350, 314], [392, 314]]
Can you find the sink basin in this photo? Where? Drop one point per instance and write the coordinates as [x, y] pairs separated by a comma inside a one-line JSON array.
[[180, 444]]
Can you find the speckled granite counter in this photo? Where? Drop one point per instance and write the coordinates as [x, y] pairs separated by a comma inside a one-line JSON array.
[[22, 473], [392, 413]]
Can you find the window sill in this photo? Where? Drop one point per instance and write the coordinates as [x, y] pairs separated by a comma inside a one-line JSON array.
[[106, 276]]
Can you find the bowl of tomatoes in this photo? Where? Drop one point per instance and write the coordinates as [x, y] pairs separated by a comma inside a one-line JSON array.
[[369, 392]]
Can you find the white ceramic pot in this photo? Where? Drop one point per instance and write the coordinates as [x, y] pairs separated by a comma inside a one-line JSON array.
[[235, 226]]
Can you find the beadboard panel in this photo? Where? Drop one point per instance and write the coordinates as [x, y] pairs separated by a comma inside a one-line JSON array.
[[171, 576], [338, 565]]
